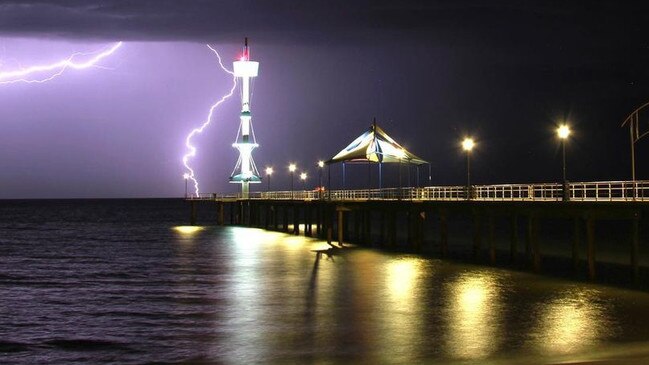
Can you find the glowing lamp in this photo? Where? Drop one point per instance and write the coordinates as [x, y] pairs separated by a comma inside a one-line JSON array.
[[292, 167], [468, 144], [563, 131], [303, 176]]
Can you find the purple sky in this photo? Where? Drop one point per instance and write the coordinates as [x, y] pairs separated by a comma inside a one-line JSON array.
[[430, 74]]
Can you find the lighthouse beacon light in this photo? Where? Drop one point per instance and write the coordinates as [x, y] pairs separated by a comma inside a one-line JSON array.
[[245, 171]]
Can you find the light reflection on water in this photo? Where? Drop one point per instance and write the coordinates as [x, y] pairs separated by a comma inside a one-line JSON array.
[[239, 295], [284, 302], [474, 314], [572, 321]]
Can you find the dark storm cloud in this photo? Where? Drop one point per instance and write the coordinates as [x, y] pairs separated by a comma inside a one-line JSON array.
[[289, 21]]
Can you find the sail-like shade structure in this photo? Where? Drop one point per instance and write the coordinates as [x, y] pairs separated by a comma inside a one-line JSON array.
[[376, 146]]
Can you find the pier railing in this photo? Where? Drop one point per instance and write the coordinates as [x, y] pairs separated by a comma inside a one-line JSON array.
[[599, 191]]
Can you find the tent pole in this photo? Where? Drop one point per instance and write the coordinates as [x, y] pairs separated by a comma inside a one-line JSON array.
[[399, 178], [329, 182], [369, 178]]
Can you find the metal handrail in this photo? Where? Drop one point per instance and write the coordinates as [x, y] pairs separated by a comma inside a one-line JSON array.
[[577, 191]]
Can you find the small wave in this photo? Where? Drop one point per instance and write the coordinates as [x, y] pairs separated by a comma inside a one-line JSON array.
[[10, 346], [86, 344]]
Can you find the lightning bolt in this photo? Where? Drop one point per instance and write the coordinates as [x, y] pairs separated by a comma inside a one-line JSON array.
[[188, 141], [56, 69]]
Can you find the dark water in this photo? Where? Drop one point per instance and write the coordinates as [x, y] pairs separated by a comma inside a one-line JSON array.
[[115, 282]]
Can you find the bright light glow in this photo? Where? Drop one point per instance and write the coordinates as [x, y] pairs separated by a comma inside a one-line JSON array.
[[292, 167], [185, 176], [199, 130], [572, 322], [303, 176], [475, 307], [269, 170], [320, 164], [188, 230], [468, 144], [402, 276], [563, 131], [53, 70]]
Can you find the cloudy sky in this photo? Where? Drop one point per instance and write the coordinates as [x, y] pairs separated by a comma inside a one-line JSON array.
[[430, 72]]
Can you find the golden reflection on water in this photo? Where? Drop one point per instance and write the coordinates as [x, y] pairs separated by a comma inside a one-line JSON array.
[[572, 322], [402, 276], [475, 312], [188, 230], [403, 326]]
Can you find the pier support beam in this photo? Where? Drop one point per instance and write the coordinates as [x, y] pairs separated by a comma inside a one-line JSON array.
[[513, 238], [419, 229], [192, 214], [492, 243], [443, 233], [477, 235], [340, 226], [590, 237], [536, 246], [576, 242], [285, 218], [392, 229], [635, 230], [318, 220], [220, 214], [296, 219], [532, 247], [307, 220], [367, 227]]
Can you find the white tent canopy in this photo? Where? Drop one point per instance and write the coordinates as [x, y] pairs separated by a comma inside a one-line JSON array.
[[375, 146]]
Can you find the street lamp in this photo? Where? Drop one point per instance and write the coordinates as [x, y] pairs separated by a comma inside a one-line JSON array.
[[467, 145], [292, 168], [320, 167], [563, 132], [303, 177], [269, 172], [186, 177]]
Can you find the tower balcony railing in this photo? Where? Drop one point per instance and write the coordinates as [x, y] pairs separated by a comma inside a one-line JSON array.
[[598, 191]]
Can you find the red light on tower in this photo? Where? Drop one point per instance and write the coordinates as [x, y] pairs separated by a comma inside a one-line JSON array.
[[245, 56]]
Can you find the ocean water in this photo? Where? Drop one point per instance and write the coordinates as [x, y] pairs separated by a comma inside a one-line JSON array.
[[120, 282]]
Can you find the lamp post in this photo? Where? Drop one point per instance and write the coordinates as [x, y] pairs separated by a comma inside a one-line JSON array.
[[303, 177], [467, 145], [291, 169], [563, 132], [269, 172], [186, 177], [320, 167]]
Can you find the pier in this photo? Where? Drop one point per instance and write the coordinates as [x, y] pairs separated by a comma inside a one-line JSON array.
[[416, 219]]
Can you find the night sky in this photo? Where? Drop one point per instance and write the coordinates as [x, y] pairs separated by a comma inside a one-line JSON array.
[[430, 72]]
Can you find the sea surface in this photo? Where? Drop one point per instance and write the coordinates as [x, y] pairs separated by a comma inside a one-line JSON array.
[[123, 282]]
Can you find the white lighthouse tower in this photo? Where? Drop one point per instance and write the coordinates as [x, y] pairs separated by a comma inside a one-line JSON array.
[[245, 171]]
